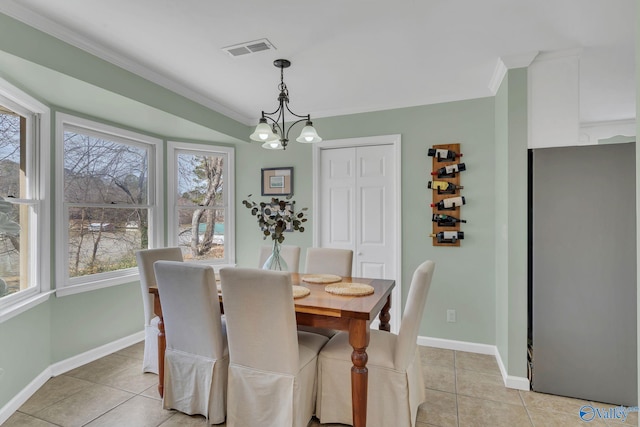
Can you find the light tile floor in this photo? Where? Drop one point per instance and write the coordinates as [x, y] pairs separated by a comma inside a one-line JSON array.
[[463, 389]]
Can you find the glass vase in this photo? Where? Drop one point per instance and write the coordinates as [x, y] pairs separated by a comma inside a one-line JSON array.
[[275, 261]]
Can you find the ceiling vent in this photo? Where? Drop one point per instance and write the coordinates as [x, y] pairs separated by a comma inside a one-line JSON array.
[[249, 47]]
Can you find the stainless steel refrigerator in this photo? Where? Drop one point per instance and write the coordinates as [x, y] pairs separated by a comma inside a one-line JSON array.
[[583, 267]]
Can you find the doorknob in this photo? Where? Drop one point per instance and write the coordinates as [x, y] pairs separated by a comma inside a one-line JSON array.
[[359, 253]]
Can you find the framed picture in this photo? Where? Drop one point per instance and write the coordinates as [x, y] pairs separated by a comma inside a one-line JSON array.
[[277, 181], [276, 213]]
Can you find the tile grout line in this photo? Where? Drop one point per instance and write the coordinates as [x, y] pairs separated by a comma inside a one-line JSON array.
[[526, 408]]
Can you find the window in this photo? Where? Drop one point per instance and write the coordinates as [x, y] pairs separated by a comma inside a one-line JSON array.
[[109, 208], [23, 215], [200, 188]]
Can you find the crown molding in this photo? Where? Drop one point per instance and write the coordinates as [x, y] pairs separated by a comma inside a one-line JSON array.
[[506, 63], [32, 19], [557, 54], [520, 60], [498, 75]]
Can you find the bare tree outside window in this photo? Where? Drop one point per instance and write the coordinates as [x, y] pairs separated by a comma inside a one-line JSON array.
[[106, 195], [201, 208], [17, 208]]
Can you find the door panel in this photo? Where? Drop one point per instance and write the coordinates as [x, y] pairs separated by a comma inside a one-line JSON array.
[[372, 270], [340, 205], [375, 244], [337, 211], [371, 216]]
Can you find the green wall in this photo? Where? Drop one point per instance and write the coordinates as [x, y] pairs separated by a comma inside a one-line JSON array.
[[25, 348], [501, 218], [516, 364], [511, 221], [87, 320]]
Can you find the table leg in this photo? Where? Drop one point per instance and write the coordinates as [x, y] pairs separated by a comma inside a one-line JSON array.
[[385, 317], [162, 344], [359, 340]]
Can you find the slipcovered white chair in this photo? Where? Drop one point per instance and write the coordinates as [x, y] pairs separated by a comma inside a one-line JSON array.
[[396, 385], [197, 357], [146, 258], [272, 368], [329, 261], [290, 254]]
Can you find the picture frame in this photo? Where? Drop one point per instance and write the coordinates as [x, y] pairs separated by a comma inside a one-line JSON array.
[[277, 181], [274, 208]]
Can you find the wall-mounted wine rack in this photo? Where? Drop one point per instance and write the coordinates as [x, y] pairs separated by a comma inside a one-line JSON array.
[[446, 231]]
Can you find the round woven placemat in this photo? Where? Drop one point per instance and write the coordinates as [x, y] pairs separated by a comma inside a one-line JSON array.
[[321, 278], [351, 289], [300, 291]]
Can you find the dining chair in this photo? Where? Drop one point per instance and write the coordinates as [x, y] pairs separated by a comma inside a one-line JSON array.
[[272, 366], [329, 261], [290, 254], [146, 258], [197, 357], [396, 385]]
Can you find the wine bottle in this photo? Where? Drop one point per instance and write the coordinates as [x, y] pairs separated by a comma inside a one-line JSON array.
[[443, 155], [446, 220], [449, 204], [448, 236], [449, 171], [444, 187]]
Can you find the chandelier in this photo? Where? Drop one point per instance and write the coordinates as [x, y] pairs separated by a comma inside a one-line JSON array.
[[271, 128]]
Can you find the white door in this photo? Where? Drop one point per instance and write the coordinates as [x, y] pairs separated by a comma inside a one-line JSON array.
[[358, 209]]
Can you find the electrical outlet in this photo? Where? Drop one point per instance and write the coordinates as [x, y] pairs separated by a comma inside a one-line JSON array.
[[451, 315]]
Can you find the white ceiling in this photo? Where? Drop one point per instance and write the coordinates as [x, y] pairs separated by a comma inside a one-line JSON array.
[[348, 56]]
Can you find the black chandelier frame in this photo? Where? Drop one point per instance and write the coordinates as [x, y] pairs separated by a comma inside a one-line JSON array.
[[283, 100]]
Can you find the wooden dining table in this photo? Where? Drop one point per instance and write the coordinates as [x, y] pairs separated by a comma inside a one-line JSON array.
[[324, 310]]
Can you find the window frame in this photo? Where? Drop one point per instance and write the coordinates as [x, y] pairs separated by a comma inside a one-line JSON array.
[[38, 134], [66, 285], [173, 149]]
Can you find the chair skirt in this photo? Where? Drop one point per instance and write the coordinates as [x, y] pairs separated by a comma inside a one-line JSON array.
[[150, 356], [393, 395], [195, 385]]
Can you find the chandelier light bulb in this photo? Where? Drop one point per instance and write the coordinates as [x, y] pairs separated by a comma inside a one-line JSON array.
[[308, 134], [273, 145], [263, 132]]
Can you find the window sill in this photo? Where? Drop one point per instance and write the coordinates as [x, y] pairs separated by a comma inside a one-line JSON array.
[[87, 286], [21, 306]]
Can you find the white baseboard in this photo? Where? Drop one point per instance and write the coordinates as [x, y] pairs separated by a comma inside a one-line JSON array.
[[471, 347], [64, 366], [95, 354], [18, 400], [510, 381]]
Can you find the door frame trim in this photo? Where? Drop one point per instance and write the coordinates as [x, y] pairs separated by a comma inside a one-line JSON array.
[[394, 140]]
